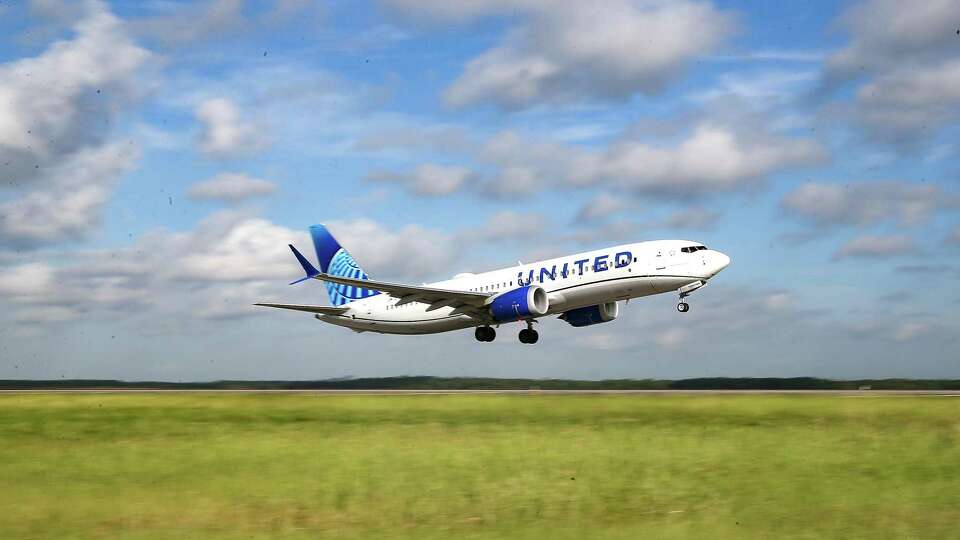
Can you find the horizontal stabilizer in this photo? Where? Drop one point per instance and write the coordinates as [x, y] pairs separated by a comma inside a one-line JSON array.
[[323, 310], [311, 271]]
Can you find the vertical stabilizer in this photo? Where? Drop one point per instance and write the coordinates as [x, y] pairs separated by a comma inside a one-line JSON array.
[[335, 260]]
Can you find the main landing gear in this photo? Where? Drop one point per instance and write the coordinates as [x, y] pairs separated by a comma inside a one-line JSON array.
[[683, 307], [529, 335], [485, 333]]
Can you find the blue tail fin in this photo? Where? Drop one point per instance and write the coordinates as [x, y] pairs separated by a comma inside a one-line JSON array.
[[335, 260]]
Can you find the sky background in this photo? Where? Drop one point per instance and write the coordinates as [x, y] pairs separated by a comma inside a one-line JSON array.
[[157, 156]]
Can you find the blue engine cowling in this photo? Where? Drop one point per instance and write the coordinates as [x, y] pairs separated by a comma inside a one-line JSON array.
[[520, 303], [586, 316]]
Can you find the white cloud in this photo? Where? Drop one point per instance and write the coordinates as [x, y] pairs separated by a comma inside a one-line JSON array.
[[407, 252], [55, 110], [231, 187], [600, 207], [429, 179], [713, 158], [508, 224], [910, 330], [885, 34], [692, 218], [197, 21], [569, 51], [911, 101], [911, 54], [870, 246], [867, 203], [671, 338], [225, 132], [61, 101], [70, 199]]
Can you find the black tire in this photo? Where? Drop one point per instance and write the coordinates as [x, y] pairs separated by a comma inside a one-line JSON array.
[[491, 334], [479, 334], [683, 307], [534, 336], [525, 336]]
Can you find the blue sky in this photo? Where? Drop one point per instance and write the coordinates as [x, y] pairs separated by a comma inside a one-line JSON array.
[[156, 157]]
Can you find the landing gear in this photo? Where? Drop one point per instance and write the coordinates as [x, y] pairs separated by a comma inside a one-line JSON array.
[[684, 292], [528, 334], [485, 333]]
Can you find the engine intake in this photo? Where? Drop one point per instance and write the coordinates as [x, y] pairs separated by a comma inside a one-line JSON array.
[[520, 303], [589, 315]]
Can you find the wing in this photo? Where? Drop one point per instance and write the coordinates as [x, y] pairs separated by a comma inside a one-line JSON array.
[[323, 310], [465, 301]]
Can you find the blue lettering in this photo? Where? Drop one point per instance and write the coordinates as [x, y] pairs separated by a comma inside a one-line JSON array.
[[580, 265], [563, 273], [622, 259], [530, 277], [520, 278], [600, 263], [552, 273]]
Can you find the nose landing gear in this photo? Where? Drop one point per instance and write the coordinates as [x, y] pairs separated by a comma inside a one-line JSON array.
[[485, 333], [684, 292]]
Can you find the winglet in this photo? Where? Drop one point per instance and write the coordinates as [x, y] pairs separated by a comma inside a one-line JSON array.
[[307, 267]]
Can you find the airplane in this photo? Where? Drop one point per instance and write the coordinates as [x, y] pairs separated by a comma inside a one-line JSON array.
[[582, 289]]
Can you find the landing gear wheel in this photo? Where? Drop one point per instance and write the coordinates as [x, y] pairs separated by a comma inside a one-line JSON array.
[[683, 307], [485, 333], [529, 335]]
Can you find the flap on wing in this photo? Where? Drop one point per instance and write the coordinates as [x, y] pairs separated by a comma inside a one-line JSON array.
[[429, 295], [323, 310]]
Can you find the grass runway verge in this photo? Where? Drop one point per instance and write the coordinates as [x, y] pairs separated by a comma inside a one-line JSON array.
[[231, 466]]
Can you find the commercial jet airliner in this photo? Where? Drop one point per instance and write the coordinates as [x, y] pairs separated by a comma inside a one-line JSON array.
[[583, 289]]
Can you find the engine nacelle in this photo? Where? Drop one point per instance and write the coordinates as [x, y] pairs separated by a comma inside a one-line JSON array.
[[586, 316], [520, 303]]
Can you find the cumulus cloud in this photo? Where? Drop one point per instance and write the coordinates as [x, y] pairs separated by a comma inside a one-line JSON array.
[[196, 21], [910, 54], [62, 101], [225, 132], [508, 224], [714, 158], [429, 179], [885, 34], [865, 203], [876, 247], [231, 187], [571, 51], [407, 252], [600, 207], [55, 109], [69, 199], [909, 101], [692, 218], [214, 271]]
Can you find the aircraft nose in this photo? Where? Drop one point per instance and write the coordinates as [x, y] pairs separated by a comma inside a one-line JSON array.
[[718, 261]]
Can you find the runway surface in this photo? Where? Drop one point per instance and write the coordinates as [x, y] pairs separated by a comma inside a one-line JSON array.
[[852, 393]]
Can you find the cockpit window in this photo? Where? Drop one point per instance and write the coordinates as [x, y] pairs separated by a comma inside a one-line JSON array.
[[691, 249]]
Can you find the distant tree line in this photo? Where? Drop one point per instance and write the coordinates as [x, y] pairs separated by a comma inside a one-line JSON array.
[[484, 383]]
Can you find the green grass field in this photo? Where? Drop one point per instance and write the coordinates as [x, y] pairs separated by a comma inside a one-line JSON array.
[[478, 466]]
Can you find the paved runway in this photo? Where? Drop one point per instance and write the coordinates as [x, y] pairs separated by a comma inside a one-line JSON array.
[[854, 393]]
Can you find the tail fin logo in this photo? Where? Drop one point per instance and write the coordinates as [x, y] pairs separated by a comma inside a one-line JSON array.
[[342, 264]]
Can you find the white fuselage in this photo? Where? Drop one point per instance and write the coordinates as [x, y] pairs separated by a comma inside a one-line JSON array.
[[580, 280]]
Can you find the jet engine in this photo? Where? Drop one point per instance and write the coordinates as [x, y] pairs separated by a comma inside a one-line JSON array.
[[586, 316], [520, 303]]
